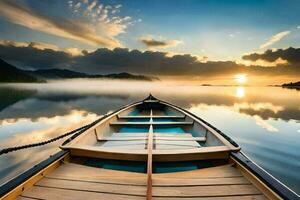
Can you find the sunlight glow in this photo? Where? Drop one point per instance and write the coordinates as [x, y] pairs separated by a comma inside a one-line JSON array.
[[241, 78], [240, 92]]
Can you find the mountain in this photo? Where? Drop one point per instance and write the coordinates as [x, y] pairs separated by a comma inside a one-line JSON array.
[[64, 73], [57, 74], [9, 73], [125, 75]]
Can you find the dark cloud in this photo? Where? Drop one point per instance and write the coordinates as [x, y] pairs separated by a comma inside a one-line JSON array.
[[29, 57], [150, 42], [149, 62], [292, 55], [104, 61]]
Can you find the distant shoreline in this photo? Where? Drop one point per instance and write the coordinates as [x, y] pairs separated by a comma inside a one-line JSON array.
[[291, 85]]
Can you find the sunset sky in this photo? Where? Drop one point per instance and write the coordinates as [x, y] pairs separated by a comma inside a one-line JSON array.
[[243, 42]]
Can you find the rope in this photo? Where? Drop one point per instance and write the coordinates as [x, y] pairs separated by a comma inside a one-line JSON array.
[[16, 148], [78, 131]]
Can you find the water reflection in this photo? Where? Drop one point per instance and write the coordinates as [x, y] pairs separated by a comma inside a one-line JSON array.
[[264, 121], [240, 92]]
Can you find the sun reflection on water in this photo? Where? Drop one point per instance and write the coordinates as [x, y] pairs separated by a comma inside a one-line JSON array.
[[240, 92]]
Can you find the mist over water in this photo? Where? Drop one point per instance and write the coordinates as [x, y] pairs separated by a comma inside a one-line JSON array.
[[265, 121]]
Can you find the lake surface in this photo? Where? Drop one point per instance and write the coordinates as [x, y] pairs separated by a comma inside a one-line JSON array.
[[265, 121]]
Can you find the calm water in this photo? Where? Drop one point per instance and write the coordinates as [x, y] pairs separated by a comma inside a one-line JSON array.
[[265, 121]]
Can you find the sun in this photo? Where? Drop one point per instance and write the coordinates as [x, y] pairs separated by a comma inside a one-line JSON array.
[[241, 78]]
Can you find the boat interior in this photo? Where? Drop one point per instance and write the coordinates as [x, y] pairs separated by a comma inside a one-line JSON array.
[[147, 150], [177, 136]]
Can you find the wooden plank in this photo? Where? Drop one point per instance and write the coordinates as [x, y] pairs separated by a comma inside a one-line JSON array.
[[177, 143], [120, 144], [198, 139], [239, 197], [131, 147], [92, 186], [144, 134], [148, 123], [55, 193], [217, 152], [196, 150], [198, 182], [223, 171], [205, 191], [153, 116], [170, 134], [149, 162], [110, 153], [81, 171], [136, 181], [129, 138], [122, 138], [171, 148], [24, 198]]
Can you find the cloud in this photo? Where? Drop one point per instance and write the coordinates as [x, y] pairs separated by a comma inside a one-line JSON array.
[[275, 38], [153, 43], [74, 51], [41, 46], [104, 60], [32, 56], [264, 63], [100, 33], [264, 124], [291, 55]]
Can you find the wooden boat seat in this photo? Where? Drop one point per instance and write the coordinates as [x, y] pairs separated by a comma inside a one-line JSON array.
[[153, 116], [139, 153], [149, 123], [198, 139], [161, 142]]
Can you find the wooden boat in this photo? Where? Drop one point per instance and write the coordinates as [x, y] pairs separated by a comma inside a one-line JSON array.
[[147, 150]]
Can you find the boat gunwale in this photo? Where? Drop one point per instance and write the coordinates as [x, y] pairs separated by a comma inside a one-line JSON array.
[[7, 187], [273, 183]]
